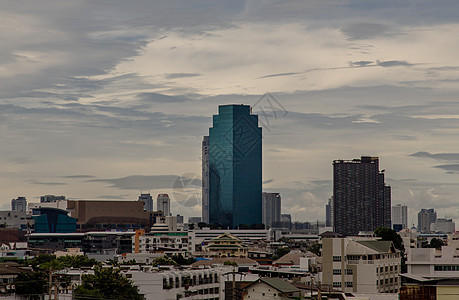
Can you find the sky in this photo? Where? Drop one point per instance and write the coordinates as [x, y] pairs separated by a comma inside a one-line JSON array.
[[107, 99]]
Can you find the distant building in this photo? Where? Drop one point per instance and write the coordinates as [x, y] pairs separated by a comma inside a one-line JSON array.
[[15, 219], [53, 220], [226, 245], [285, 222], [361, 266], [163, 203], [205, 179], [51, 198], [19, 204], [425, 218], [147, 200], [361, 199], [443, 226], [271, 209], [194, 220], [180, 219], [328, 213], [235, 167], [400, 216], [271, 288]]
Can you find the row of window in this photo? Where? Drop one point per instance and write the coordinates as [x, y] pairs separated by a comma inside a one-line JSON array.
[[387, 281], [446, 268], [189, 281], [387, 268]]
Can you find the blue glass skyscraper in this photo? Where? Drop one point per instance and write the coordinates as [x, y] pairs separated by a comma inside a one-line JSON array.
[[235, 167]]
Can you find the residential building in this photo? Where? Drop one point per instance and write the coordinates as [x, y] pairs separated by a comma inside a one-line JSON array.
[[425, 218], [19, 204], [271, 288], [235, 167], [271, 209], [15, 219], [166, 242], [442, 225], [205, 179], [51, 198], [329, 213], [163, 203], [399, 217], [285, 222], [361, 199], [147, 200], [361, 265]]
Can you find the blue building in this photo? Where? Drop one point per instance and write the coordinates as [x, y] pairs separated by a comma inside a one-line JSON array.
[[235, 167], [53, 220]]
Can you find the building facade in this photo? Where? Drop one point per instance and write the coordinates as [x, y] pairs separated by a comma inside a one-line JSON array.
[[328, 213], [51, 198], [163, 203], [425, 218], [235, 167], [19, 204], [271, 210], [147, 200], [205, 179], [361, 199], [361, 266], [443, 226], [399, 216]]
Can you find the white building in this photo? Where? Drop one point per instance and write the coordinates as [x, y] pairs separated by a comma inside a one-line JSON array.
[[147, 200], [361, 265], [443, 225], [271, 208], [19, 204], [15, 219], [400, 215], [163, 203]]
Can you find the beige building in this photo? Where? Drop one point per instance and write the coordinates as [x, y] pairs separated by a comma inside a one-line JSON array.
[[361, 265], [271, 288]]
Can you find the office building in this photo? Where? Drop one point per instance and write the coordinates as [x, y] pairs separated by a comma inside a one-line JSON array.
[[271, 210], [163, 203], [425, 218], [399, 217], [205, 179], [147, 200], [328, 213], [194, 220], [51, 198], [443, 226], [19, 204], [361, 199], [235, 167]]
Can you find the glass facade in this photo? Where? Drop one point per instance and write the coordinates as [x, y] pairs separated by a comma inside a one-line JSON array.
[[235, 167]]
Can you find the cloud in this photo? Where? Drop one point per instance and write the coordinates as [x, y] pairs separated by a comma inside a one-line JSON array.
[[144, 182], [181, 75], [393, 63], [78, 176], [451, 168], [363, 31], [438, 156], [33, 181], [160, 98]]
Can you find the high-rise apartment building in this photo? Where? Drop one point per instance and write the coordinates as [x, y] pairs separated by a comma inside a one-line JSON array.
[[271, 209], [205, 179], [19, 204], [51, 198], [235, 167], [361, 199], [425, 218], [163, 203], [147, 200], [399, 216], [328, 213]]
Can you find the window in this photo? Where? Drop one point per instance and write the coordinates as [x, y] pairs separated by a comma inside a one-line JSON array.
[[337, 284], [349, 284], [336, 258], [349, 272], [381, 270], [336, 271], [391, 268]]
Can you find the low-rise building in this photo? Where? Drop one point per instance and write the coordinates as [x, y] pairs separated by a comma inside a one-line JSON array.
[[361, 265], [271, 288], [226, 245]]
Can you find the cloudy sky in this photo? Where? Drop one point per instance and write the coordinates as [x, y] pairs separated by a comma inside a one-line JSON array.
[[104, 99]]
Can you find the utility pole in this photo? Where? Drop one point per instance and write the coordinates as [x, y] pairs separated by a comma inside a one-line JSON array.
[[233, 291], [50, 283]]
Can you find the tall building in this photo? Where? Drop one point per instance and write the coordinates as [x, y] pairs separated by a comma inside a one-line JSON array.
[[147, 200], [51, 198], [425, 218], [235, 167], [163, 203], [328, 213], [205, 179], [399, 216], [443, 226], [271, 209], [19, 204], [361, 199]]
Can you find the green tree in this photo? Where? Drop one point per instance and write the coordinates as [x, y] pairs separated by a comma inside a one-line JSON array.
[[281, 251], [181, 261], [434, 243], [31, 285], [107, 283], [230, 263], [163, 261], [387, 234], [316, 249]]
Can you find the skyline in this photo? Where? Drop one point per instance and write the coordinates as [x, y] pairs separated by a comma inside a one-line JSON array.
[[103, 100]]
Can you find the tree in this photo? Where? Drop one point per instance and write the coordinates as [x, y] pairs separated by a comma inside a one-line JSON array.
[[316, 249], [281, 251], [387, 234], [434, 243], [230, 263], [107, 283], [163, 261], [31, 285], [180, 260]]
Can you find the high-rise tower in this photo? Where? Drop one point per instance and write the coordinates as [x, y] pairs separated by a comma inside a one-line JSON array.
[[361, 199], [163, 203], [147, 200], [205, 179], [271, 208], [399, 216], [235, 167]]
